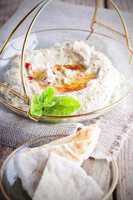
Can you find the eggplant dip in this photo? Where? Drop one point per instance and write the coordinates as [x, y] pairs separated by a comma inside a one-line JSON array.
[[72, 69]]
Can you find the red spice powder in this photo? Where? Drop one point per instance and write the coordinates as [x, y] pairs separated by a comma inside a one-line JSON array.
[[30, 78], [27, 65]]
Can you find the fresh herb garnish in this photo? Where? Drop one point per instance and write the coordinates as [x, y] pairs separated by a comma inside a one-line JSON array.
[[47, 103]]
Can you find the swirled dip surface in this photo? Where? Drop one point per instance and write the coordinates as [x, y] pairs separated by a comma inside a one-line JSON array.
[[66, 67]]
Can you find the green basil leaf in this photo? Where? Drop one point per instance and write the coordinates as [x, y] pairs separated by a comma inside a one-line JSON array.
[[36, 108], [46, 97], [64, 106], [67, 101], [48, 104]]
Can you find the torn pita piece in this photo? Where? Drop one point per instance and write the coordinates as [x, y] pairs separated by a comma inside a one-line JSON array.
[[31, 162], [63, 179]]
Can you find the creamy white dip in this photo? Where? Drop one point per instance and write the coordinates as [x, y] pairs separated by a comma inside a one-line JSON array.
[[99, 91]]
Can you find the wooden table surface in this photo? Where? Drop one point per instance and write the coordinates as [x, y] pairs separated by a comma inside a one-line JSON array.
[[124, 189]]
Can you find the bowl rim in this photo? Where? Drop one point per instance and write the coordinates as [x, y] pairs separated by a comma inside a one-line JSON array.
[[113, 167]]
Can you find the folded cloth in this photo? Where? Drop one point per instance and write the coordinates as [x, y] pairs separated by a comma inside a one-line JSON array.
[[115, 125], [15, 130]]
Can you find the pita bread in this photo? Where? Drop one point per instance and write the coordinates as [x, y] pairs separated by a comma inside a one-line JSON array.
[[84, 133], [31, 162], [29, 166], [63, 180], [77, 147]]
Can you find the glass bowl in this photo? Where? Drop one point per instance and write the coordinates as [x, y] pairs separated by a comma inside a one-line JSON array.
[[48, 37], [11, 186]]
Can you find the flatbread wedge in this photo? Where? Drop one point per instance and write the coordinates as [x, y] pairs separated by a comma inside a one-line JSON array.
[[63, 179], [30, 162]]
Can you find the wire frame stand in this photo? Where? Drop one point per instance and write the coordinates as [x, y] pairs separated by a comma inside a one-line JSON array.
[[91, 30]]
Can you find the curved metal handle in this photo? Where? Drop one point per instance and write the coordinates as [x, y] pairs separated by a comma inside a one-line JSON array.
[[125, 35], [17, 26], [94, 21], [24, 97], [15, 29], [40, 7]]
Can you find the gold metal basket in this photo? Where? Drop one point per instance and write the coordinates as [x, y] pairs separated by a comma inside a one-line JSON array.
[[124, 35]]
